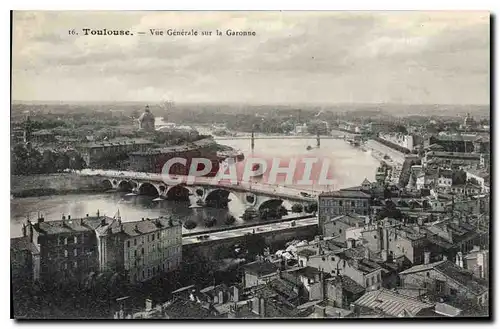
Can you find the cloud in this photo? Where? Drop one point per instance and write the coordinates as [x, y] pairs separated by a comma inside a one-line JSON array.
[[295, 57]]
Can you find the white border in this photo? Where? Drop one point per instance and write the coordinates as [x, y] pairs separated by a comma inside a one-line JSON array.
[[491, 5]]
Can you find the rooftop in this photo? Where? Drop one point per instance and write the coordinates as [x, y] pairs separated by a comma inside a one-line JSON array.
[[392, 303], [348, 284], [117, 142], [261, 268], [454, 272], [346, 194]]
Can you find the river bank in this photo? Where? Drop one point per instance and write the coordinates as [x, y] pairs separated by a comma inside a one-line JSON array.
[[52, 184]]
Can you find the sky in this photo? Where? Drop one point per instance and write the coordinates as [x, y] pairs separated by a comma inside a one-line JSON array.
[[295, 57]]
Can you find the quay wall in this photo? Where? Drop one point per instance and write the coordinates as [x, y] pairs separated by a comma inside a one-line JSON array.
[[49, 184], [379, 150], [213, 250]]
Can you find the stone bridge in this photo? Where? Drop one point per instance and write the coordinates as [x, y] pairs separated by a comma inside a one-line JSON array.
[[205, 190]]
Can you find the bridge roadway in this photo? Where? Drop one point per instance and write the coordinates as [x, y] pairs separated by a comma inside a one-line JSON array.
[[248, 137], [257, 229], [279, 191]]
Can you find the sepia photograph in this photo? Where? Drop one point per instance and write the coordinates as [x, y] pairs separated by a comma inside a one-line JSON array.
[[213, 165]]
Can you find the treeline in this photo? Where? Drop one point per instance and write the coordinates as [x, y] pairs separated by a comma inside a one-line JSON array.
[[27, 161]]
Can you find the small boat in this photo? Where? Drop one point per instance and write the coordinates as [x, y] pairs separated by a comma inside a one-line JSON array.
[[157, 199], [309, 147], [131, 194]]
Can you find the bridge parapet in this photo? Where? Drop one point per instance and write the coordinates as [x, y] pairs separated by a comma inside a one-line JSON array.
[[275, 191]]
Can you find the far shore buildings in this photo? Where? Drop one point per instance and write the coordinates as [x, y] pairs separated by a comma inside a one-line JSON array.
[[71, 250]]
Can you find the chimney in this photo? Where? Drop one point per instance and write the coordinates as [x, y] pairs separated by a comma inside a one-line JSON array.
[[427, 257], [350, 243], [262, 307], [367, 253], [63, 217], [384, 255], [221, 297], [98, 213], [149, 305], [236, 294], [24, 229], [87, 215]]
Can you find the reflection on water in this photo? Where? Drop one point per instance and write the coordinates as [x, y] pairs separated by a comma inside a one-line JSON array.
[[351, 167]]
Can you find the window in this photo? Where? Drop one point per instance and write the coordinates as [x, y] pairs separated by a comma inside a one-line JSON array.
[[340, 203], [65, 240], [153, 237], [135, 253], [135, 242], [353, 204], [428, 274], [453, 292], [75, 264], [75, 240], [158, 235], [142, 251], [75, 252], [65, 253], [367, 282], [128, 244]]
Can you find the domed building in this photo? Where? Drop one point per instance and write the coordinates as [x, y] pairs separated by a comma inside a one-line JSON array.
[[147, 120]]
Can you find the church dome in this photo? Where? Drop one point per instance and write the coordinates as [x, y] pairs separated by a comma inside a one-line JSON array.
[[147, 116]]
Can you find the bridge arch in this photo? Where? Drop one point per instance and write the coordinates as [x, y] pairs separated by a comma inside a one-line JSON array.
[[106, 184], [148, 189], [271, 209], [125, 186], [178, 193], [218, 198]]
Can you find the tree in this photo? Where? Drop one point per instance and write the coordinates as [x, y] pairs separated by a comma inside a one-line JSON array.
[[297, 208]]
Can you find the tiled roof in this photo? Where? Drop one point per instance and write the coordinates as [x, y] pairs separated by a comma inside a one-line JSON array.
[[346, 194], [349, 219], [116, 142], [348, 284], [454, 272], [187, 309], [284, 288], [261, 268], [72, 225], [391, 303], [306, 252]]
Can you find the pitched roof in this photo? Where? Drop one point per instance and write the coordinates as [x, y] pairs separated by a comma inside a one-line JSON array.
[[72, 225], [306, 252], [187, 309], [349, 219], [454, 272], [261, 268], [348, 284], [391, 303], [346, 194]]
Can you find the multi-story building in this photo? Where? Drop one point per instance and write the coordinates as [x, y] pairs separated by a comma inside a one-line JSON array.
[[346, 201], [153, 160], [151, 247], [402, 140], [93, 153], [342, 227], [354, 262], [67, 248], [71, 249], [451, 160], [448, 280]]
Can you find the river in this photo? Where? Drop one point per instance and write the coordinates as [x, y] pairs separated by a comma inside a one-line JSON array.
[[351, 164]]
